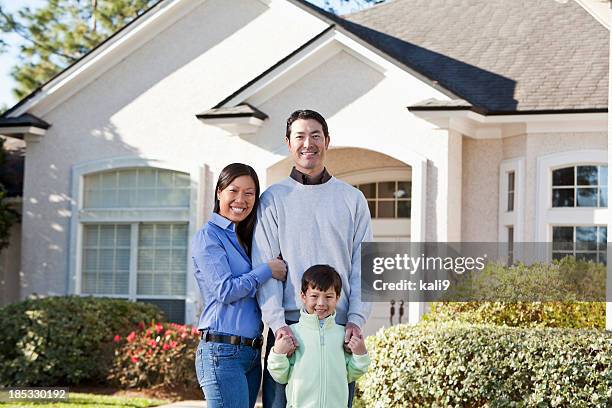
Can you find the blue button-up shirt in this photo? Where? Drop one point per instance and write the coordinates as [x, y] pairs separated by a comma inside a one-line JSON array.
[[227, 282]]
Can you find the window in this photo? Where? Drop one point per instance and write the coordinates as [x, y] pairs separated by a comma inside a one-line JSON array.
[[510, 245], [388, 199], [510, 206], [580, 186], [135, 236], [584, 242]]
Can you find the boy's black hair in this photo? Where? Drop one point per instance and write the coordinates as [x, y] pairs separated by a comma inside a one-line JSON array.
[[321, 277]]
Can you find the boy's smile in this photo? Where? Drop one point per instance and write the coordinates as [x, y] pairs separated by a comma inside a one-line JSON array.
[[319, 302]]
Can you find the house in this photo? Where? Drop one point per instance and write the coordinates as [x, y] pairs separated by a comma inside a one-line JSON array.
[[469, 120]]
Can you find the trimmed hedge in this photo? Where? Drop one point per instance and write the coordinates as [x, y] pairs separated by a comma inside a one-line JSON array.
[[511, 284], [461, 365], [577, 315], [64, 340]]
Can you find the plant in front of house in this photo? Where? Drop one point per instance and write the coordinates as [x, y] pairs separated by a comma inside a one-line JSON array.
[[158, 354], [463, 365], [64, 340]]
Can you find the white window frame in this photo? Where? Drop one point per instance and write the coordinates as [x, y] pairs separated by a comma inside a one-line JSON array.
[[514, 218], [193, 216], [546, 214], [386, 228]]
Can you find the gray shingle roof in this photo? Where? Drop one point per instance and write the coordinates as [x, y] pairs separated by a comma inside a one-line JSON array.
[[500, 55]]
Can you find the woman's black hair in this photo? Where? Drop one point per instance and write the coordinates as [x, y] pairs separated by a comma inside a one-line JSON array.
[[244, 229]]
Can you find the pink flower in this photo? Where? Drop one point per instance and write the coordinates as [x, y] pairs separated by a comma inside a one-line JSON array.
[[131, 337], [134, 359], [117, 338], [152, 343], [173, 344], [141, 325], [158, 328], [166, 346]]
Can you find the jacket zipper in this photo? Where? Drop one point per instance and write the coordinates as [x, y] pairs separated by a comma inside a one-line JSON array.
[[322, 364]]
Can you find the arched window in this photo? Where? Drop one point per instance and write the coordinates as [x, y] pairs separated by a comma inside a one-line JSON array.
[[134, 236], [580, 186]]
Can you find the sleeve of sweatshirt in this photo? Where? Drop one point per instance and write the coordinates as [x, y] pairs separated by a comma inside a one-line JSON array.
[[358, 311], [279, 366], [356, 366], [266, 246]]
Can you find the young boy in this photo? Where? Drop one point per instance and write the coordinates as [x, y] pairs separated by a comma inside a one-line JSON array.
[[319, 371]]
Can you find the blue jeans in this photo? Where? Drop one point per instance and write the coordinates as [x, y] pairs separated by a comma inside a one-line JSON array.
[[273, 393], [228, 375]]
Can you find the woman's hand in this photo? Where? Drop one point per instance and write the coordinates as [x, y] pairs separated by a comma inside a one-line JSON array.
[[279, 269]]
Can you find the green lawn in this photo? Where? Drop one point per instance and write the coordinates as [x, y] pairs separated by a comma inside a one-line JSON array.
[[91, 401]]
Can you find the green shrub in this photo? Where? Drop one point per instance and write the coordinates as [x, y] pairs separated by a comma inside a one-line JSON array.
[[461, 365], [63, 340], [160, 354], [507, 286], [577, 315]]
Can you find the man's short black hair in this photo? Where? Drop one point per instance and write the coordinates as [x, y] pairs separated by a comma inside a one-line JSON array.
[[321, 277], [306, 114]]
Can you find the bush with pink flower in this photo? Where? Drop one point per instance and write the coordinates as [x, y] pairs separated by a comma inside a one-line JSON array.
[[156, 354]]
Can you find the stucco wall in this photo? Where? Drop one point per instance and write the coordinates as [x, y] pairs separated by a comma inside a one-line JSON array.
[[481, 160], [10, 268]]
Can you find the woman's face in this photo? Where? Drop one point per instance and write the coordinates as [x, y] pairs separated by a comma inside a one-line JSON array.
[[237, 199]]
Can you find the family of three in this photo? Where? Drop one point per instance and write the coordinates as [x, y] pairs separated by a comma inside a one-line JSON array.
[[290, 258]]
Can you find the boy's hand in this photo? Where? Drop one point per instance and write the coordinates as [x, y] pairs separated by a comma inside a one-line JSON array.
[[357, 345], [350, 330], [283, 332], [283, 345]]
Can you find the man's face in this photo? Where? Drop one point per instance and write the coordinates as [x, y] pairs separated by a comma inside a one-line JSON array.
[[320, 302], [307, 145]]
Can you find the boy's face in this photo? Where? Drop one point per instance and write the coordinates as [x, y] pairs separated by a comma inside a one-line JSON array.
[[320, 302]]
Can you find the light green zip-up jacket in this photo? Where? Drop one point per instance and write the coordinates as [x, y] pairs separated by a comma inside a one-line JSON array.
[[318, 373]]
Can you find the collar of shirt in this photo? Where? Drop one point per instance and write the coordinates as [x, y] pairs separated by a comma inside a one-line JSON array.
[[221, 221], [307, 180]]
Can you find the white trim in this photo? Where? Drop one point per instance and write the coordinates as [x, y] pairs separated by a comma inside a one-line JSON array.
[[80, 216], [546, 216], [515, 218], [238, 126], [315, 54], [478, 126], [377, 174]]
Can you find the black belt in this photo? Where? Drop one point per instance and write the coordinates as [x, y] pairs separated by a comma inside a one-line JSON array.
[[256, 343]]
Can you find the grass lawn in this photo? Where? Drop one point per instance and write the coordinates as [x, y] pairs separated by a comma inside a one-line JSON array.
[[92, 400]]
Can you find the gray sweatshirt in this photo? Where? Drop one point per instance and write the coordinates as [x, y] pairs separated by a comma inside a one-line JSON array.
[[310, 225]]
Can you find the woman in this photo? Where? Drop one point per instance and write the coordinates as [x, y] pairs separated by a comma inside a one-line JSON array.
[[228, 359]]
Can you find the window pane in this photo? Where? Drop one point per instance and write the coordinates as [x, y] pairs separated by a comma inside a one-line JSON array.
[[511, 181], [372, 208], [386, 189], [603, 197], [386, 209], [603, 175], [563, 197], [602, 237], [105, 264], [563, 238], [162, 259], [368, 190], [586, 256], [563, 177], [586, 197], [404, 189], [561, 255], [173, 309], [586, 238], [511, 201], [144, 188], [587, 175], [403, 209]]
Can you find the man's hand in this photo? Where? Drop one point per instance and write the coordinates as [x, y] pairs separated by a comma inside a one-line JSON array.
[[357, 345], [285, 333], [350, 330], [283, 345]]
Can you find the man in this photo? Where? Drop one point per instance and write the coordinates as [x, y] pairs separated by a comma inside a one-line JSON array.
[[309, 218]]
